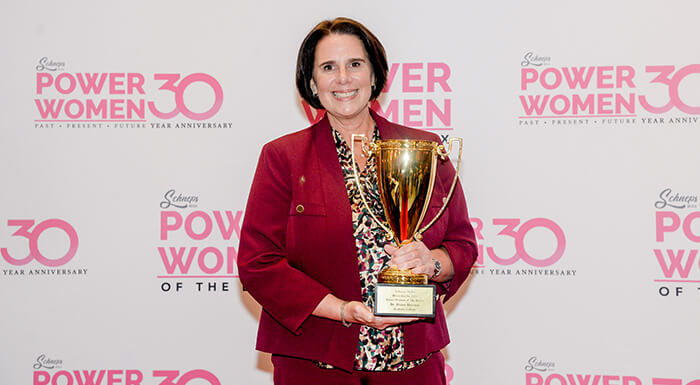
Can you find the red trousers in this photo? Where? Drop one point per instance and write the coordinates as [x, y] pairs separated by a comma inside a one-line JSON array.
[[297, 371]]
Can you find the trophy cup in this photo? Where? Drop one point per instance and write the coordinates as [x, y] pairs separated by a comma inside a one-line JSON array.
[[405, 176]]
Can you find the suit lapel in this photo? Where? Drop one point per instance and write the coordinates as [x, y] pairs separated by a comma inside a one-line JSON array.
[[340, 229], [335, 194]]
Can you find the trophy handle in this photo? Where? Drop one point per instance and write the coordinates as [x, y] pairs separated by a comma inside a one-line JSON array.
[[367, 148], [443, 153]]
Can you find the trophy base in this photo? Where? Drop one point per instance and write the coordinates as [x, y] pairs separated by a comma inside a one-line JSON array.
[[404, 300], [401, 277]]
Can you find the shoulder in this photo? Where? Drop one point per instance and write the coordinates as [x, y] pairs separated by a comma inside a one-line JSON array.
[[413, 133], [289, 147], [290, 141], [298, 148], [397, 131]]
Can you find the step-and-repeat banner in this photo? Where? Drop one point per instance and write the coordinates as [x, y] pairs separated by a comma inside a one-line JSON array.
[[130, 131]]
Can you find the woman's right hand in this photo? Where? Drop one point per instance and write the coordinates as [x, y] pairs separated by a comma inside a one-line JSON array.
[[359, 313]]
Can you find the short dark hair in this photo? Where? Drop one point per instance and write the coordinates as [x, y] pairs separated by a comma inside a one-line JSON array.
[[340, 25]]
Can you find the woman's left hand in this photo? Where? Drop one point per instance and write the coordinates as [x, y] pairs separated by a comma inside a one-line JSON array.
[[414, 256]]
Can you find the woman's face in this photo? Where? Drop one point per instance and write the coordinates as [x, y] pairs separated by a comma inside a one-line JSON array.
[[342, 76]]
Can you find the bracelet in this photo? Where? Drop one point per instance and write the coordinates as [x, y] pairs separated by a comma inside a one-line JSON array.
[[342, 315], [437, 268]]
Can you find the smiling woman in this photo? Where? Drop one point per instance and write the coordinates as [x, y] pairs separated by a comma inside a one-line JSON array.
[[341, 67], [343, 80], [310, 253]]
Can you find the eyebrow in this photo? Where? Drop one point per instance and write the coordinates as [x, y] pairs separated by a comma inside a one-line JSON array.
[[350, 60]]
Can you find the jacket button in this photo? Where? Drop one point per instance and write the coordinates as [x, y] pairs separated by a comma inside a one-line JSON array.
[[300, 209]]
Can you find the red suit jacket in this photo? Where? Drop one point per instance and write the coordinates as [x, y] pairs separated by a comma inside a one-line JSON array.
[[297, 246]]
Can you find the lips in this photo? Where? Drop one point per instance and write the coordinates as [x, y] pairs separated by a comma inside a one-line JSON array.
[[345, 94]]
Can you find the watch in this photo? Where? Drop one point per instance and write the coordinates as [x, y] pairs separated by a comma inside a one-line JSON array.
[[438, 268]]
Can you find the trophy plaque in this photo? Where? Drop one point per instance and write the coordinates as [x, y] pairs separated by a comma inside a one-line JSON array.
[[405, 177]]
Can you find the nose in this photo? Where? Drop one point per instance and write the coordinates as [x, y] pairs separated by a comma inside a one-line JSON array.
[[342, 75]]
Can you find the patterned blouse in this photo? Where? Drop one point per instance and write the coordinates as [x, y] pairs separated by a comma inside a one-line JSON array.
[[378, 350]]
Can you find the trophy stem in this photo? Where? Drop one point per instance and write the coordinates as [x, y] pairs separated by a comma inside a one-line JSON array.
[[404, 220]]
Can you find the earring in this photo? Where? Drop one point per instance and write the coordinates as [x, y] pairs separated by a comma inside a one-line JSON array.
[[314, 90]]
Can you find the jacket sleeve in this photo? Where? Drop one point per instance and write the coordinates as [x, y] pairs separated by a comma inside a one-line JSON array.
[[286, 293], [459, 239]]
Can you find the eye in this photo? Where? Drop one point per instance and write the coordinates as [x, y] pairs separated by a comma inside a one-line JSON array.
[[327, 67], [356, 64]]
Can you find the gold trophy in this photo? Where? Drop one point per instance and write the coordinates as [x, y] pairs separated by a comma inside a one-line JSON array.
[[405, 176]]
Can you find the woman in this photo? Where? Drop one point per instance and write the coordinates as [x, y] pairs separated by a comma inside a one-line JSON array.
[[310, 252]]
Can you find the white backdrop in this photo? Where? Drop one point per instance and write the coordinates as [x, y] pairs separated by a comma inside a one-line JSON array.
[[587, 206]]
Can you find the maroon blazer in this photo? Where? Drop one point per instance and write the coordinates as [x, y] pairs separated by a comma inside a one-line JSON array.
[[297, 246]]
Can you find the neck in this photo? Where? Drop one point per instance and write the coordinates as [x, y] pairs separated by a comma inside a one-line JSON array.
[[360, 124]]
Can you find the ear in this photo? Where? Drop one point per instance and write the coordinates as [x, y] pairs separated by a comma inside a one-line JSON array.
[[312, 85]]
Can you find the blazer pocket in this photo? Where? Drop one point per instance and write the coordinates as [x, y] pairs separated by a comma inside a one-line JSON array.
[[306, 233], [307, 208]]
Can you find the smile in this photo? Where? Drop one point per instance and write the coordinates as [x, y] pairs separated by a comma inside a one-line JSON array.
[[342, 95]]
